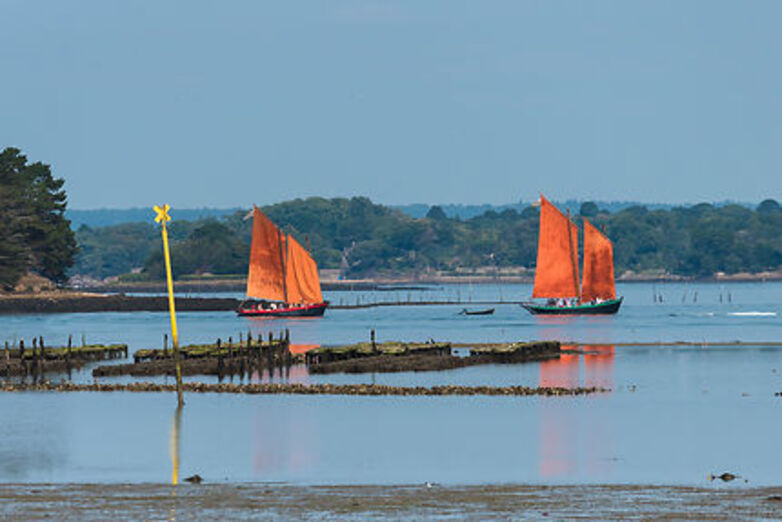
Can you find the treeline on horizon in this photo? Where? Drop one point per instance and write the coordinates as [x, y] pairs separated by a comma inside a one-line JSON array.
[[366, 239]]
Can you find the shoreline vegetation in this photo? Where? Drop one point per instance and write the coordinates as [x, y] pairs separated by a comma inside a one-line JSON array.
[[356, 238], [363, 241]]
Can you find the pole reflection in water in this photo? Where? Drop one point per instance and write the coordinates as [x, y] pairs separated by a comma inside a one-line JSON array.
[[174, 445], [564, 440]]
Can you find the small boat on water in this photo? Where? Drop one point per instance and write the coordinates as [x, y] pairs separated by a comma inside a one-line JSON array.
[[465, 311], [556, 273], [283, 277]]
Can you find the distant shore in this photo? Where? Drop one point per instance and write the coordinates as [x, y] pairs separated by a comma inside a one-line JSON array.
[[414, 282]]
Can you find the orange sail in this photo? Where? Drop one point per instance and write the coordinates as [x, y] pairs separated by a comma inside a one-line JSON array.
[[598, 265], [556, 273], [301, 274], [265, 278]]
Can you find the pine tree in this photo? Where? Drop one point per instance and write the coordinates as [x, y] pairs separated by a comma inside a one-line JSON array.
[[35, 234]]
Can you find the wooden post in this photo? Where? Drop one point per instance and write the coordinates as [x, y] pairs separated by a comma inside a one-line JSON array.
[[372, 338], [35, 354], [220, 366], [165, 344], [68, 357]]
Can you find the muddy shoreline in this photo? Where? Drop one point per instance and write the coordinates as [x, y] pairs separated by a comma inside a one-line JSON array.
[[220, 501], [88, 303]]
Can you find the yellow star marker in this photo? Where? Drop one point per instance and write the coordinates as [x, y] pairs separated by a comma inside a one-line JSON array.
[[162, 217], [162, 214]]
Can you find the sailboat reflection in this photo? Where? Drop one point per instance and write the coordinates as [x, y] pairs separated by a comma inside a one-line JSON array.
[[300, 349], [565, 371], [285, 446], [284, 369], [570, 441]]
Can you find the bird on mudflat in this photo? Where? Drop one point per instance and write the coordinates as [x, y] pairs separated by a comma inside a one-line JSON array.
[[725, 477]]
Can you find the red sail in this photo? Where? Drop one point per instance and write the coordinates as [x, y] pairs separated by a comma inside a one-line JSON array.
[[301, 275], [556, 274], [598, 265], [265, 277]]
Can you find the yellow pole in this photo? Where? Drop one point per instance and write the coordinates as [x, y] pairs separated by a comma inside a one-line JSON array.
[[163, 217]]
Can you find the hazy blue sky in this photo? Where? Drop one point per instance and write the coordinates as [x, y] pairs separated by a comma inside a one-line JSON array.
[[207, 103]]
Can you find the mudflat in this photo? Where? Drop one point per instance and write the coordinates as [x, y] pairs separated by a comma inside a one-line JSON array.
[[223, 501], [70, 302]]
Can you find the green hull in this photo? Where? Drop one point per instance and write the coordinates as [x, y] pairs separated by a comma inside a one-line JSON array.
[[606, 307]]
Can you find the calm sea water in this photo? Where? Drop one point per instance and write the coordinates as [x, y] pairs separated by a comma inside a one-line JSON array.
[[675, 413]]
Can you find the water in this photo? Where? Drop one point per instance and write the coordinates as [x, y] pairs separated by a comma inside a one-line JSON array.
[[675, 413]]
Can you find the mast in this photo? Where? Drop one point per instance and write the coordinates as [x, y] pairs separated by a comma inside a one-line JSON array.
[[573, 258], [282, 262]]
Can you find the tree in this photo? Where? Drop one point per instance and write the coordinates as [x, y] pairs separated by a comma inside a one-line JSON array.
[[211, 248], [36, 235], [768, 206], [588, 209], [436, 213]]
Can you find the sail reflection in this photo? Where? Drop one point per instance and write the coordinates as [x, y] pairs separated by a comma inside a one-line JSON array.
[[599, 366], [568, 442], [285, 445], [300, 349]]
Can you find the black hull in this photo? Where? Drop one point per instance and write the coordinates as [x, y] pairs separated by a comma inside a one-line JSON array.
[[605, 308], [310, 310]]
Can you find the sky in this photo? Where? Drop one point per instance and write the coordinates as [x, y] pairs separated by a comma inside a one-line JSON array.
[[223, 104]]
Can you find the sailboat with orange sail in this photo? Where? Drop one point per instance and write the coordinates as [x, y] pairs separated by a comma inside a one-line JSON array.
[[556, 274], [283, 278]]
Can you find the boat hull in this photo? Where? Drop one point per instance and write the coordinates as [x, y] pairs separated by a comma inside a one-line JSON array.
[[490, 311], [608, 307], [308, 310]]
